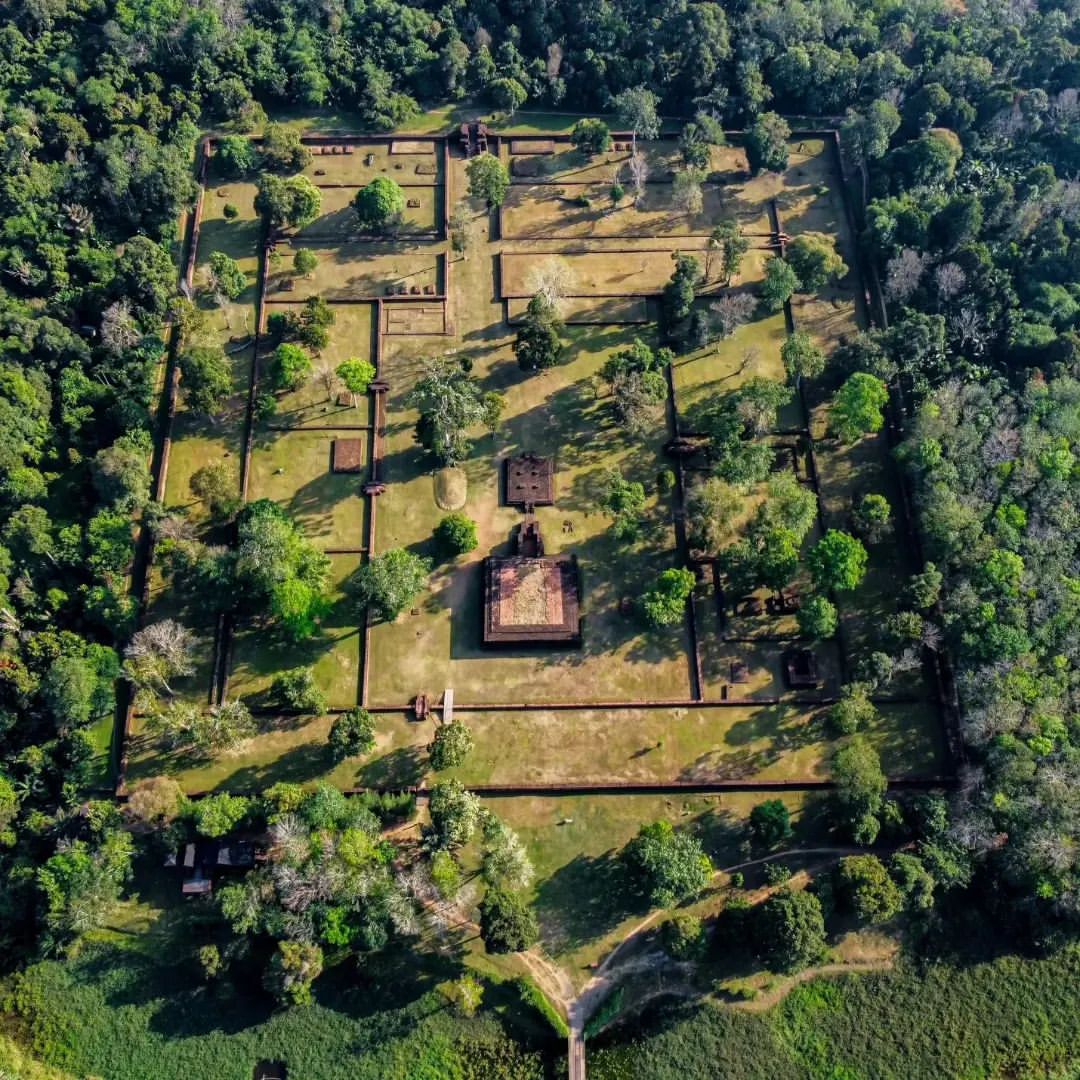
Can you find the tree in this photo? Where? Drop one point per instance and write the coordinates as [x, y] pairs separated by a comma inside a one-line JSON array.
[[387, 583], [455, 814], [860, 787], [299, 690], [679, 292], [292, 970], [666, 866], [356, 375], [380, 205], [857, 408], [758, 401], [186, 726], [915, 882], [294, 202], [456, 534], [278, 571], [290, 367], [871, 517], [451, 745], [207, 378], [817, 618], [815, 260], [122, 471], [218, 815], [488, 179], [766, 143], [158, 653], [802, 358], [863, 885], [697, 136], [538, 345], [779, 283], [235, 156], [866, 135], [727, 238], [155, 802], [625, 501], [837, 561], [81, 883], [68, 690], [507, 923], [854, 710], [282, 149], [683, 937], [550, 279], [450, 402], [506, 863], [665, 603], [508, 95], [713, 508], [686, 194], [636, 110], [225, 279], [304, 262], [591, 137], [352, 734], [789, 930], [770, 823]]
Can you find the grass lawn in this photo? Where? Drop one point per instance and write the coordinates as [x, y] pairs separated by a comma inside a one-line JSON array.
[[580, 893], [293, 469], [350, 270], [353, 169], [337, 221]]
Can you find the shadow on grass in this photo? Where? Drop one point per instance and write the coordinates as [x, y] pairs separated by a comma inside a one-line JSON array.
[[403, 767], [584, 900]]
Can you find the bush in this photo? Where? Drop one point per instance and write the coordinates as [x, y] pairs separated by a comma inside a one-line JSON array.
[[231, 211], [456, 534]]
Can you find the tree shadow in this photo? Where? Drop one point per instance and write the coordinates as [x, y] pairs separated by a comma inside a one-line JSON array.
[[401, 768], [584, 899]]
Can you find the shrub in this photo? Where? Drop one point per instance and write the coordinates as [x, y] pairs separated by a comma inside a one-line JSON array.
[[230, 211]]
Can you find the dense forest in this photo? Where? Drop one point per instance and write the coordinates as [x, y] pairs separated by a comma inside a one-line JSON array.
[[962, 127]]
